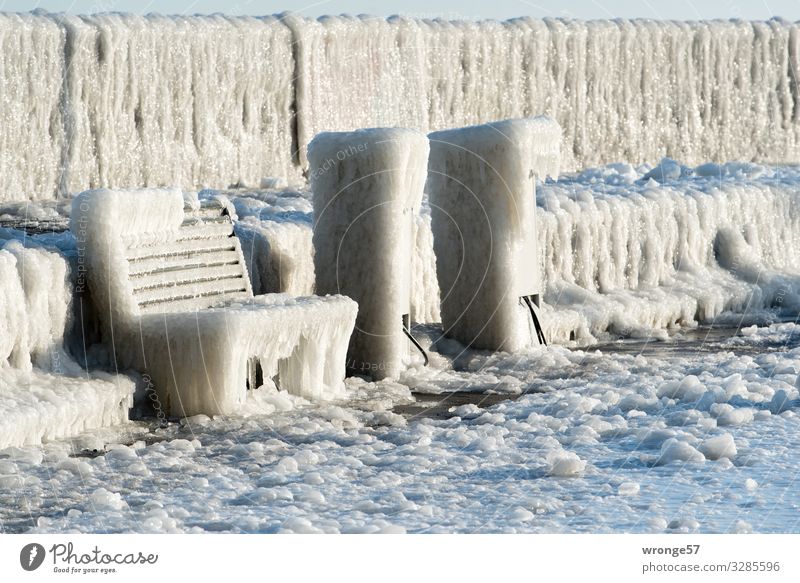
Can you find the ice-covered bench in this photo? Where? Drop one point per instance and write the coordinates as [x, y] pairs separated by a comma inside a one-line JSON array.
[[174, 300]]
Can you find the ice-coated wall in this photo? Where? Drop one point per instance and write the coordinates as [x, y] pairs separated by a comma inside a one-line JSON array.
[[34, 306], [44, 394], [630, 255], [367, 187], [126, 100], [31, 124], [193, 101], [357, 72], [622, 90], [481, 183], [116, 100]]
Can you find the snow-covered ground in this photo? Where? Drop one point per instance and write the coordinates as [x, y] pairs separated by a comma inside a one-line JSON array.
[[689, 432], [699, 439]]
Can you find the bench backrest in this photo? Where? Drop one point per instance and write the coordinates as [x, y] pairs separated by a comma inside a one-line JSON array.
[[147, 252], [202, 267]]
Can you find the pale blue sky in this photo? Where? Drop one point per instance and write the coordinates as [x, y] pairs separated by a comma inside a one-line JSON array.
[[468, 9]]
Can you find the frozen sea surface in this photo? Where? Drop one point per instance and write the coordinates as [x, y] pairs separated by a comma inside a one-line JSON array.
[[695, 436]]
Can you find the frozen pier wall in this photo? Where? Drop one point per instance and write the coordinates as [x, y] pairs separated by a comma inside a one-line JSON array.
[[125, 100], [621, 90]]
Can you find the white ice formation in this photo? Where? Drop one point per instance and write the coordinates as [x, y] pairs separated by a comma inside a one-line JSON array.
[[279, 255], [275, 230], [125, 100], [631, 257], [367, 187], [44, 394], [32, 128], [175, 301], [621, 90], [481, 183]]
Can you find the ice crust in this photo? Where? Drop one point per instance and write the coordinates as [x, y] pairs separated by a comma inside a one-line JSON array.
[[116, 100], [121, 100], [197, 350], [39, 406], [621, 90], [481, 184], [588, 446], [624, 256], [367, 187], [279, 255]]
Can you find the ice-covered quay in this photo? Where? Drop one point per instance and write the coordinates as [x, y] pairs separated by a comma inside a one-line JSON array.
[[169, 358]]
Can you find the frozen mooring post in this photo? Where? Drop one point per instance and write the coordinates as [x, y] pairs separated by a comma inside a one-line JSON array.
[[367, 185], [482, 192]]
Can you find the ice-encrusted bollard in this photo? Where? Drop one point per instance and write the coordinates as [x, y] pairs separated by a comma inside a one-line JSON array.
[[367, 186], [482, 192]]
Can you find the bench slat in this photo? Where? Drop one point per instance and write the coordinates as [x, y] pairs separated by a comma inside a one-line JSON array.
[[189, 290], [192, 220], [193, 304], [204, 230], [190, 274], [198, 259], [181, 247], [200, 268]]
